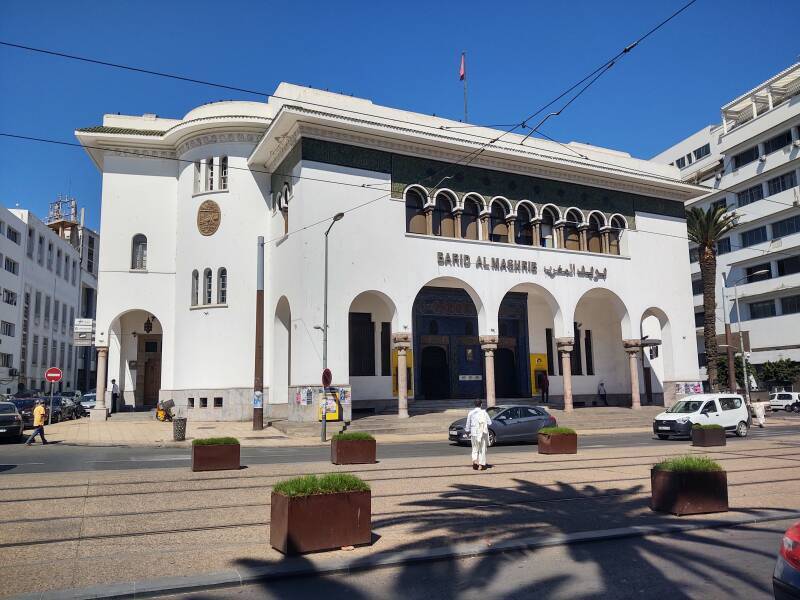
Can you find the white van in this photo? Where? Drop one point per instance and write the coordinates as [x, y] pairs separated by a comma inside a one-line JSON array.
[[787, 401], [727, 410]]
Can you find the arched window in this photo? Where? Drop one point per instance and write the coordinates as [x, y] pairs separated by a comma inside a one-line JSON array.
[[594, 237], [443, 222], [139, 252], [209, 174], [207, 283], [617, 227], [572, 239], [498, 230], [547, 237], [470, 219], [524, 228], [195, 286], [415, 216], [222, 286], [283, 201]]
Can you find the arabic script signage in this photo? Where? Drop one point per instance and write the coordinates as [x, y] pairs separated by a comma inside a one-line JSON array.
[[484, 263]]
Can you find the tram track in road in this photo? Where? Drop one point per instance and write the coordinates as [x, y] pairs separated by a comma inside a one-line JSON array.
[[398, 518], [402, 475]]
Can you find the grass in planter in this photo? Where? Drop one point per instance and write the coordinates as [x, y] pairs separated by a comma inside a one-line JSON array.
[[352, 435], [556, 430], [217, 441], [309, 485], [699, 426], [688, 464]]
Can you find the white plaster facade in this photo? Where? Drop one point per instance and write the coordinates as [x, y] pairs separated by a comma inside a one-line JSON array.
[[766, 122], [295, 162]]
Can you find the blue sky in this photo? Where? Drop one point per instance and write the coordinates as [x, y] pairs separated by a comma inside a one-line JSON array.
[[402, 54]]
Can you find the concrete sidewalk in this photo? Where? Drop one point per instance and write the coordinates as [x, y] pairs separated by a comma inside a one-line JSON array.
[[119, 527], [125, 431]]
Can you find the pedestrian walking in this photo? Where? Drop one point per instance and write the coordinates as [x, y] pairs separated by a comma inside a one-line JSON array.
[[544, 387], [477, 427], [601, 393], [758, 407], [114, 396], [39, 414]]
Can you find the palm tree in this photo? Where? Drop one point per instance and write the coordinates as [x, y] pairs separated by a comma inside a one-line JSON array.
[[706, 228]]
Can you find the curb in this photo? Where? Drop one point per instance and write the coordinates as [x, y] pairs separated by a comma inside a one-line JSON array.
[[292, 568]]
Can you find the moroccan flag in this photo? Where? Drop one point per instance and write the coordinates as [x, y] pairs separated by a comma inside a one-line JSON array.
[[462, 71]]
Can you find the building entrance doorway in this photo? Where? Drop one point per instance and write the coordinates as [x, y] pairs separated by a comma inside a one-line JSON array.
[[505, 373], [148, 359], [435, 373]]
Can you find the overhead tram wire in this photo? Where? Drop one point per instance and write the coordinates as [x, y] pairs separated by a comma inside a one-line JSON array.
[[469, 157]]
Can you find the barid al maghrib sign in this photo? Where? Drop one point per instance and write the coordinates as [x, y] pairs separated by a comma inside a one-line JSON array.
[[465, 261]]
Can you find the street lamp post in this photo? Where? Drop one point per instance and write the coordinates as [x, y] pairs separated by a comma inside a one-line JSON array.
[[739, 325], [323, 432]]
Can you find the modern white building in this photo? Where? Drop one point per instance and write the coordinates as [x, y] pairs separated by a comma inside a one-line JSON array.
[[462, 267], [12, 231], [751, 163]]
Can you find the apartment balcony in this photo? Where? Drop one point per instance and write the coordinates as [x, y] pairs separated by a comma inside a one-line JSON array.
[[771, 205]]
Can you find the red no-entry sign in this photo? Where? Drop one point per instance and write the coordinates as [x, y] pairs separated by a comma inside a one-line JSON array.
[[53, 374]]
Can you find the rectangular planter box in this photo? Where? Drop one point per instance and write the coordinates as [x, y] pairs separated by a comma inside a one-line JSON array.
[[216, 458], [708, 437], [352, 452], [559, 443], [320, 522], [689, 493]]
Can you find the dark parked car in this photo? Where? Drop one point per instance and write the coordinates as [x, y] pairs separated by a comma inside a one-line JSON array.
[[25, 408], [510, 423], [786, 577], [71, 408], [10, 421]]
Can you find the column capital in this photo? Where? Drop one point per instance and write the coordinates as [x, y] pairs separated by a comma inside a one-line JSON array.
[[488, 342], [632, 346], [402, 340], [565, 344], [102, 349]]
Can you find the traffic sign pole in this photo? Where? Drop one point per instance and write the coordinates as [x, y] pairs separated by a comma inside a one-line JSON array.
[[53, 374], [50, 416]]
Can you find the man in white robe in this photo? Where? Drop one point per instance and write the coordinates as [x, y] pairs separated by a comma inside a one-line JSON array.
[[477, 426]]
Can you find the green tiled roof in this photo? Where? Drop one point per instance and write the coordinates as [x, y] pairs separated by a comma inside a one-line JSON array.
[[121, 130]]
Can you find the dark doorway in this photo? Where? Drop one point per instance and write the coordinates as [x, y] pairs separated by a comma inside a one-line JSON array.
[[435, 376], [505, 373]]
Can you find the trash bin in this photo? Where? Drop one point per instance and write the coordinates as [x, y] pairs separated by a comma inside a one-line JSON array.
[[179, 429]]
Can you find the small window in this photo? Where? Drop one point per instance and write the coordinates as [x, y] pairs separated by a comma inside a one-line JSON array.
[[681, 162], [754, 236], [694, 254], [203, 402], [786, 227], [151, 346], [762, 309], [790, 305], [709, 407], [217, 402], [724, 246], [697, 287], [139, 252], [195, 287], [207, 286], [781, 183], [744, 158], [778, 142], [223, 173], [209, 174], [190, 402], [750, 195], [702, 151], [789, 266], [222, 286], [758, 273]]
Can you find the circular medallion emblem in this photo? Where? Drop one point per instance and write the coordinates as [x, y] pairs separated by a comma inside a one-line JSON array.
[[208, 217]]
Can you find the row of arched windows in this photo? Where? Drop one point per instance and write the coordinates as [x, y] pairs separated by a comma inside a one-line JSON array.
[[207, 289], [529, 226]]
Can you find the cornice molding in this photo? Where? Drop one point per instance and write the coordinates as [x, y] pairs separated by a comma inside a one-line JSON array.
[[205, 139]]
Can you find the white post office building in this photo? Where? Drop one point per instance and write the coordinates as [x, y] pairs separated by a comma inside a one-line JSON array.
[[467, 264]]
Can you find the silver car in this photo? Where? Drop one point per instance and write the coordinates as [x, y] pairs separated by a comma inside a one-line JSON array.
[[510, 423]]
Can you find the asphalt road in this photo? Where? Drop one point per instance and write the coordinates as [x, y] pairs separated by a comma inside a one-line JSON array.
[[707, 564], [19, 459]]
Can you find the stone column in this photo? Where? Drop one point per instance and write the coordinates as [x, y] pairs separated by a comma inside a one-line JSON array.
[[512, 236], [565, 346], [457, 222], [582, 234], [99, 412], [489, 345], [402, 342], [558, 235], [429, 220], [537, 232], [484, 227], [632, 347], [606, 242]]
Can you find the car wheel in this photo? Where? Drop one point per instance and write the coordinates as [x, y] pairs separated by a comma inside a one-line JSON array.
[[796, 407], [741, 429], [492, 438], [661, 436]]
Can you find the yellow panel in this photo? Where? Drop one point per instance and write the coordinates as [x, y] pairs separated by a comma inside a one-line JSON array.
[[538, 363], [334, 404]]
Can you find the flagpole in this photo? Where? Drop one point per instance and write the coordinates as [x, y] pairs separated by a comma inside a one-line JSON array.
[[463, 58]]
